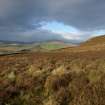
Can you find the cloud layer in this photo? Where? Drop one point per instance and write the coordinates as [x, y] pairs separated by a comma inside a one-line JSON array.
[[20, 17]]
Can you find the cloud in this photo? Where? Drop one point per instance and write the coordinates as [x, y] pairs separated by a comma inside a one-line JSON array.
[[30, 36], [24, 16]]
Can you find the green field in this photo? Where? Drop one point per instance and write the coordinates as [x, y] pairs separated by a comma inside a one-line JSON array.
[[53, 46]]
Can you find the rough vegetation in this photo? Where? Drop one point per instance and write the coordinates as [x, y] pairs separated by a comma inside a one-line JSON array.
[[53, 78]]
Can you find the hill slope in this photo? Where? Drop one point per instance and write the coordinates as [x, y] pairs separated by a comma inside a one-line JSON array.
[[93, 44], [95, 41]]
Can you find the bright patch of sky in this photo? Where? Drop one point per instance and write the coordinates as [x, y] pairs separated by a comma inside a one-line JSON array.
[[68, 32], [99, 32], [58, 27]]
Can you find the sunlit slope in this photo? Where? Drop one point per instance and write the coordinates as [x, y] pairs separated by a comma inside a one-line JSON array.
[[93, 44], [95, 41]]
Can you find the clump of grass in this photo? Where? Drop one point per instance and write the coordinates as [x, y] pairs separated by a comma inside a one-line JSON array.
[[34, 72], [94, 75], [59, 71], [55, 82], [78, 83], [63, 96], [12, 76]]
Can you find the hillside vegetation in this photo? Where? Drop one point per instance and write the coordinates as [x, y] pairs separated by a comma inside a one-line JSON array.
[[95, 41], [60, 77]]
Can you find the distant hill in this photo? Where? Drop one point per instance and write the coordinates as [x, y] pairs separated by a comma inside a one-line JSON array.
[[11, 42], [32, 42], [12, 46], [50, 45]]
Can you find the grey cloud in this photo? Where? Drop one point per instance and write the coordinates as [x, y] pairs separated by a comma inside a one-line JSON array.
[[30, 36], [17, 16], [83, 14]]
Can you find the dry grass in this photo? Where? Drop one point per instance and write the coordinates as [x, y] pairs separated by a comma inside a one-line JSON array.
[[57, 78]]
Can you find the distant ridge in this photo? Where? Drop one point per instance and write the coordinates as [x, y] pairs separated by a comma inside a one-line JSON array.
[[44, 41], [11, 42]]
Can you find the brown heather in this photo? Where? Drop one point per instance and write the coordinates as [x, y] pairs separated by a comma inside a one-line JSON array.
[[71, 76]]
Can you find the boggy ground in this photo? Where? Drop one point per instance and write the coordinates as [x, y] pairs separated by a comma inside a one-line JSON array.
[[57, 78]]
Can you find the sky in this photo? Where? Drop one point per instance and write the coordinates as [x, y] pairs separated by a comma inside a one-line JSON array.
[[41, 20]]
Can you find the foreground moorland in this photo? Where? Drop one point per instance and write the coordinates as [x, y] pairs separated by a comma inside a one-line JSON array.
[[70, 76]]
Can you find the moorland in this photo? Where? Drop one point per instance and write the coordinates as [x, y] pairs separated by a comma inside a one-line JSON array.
[[72, 75]]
